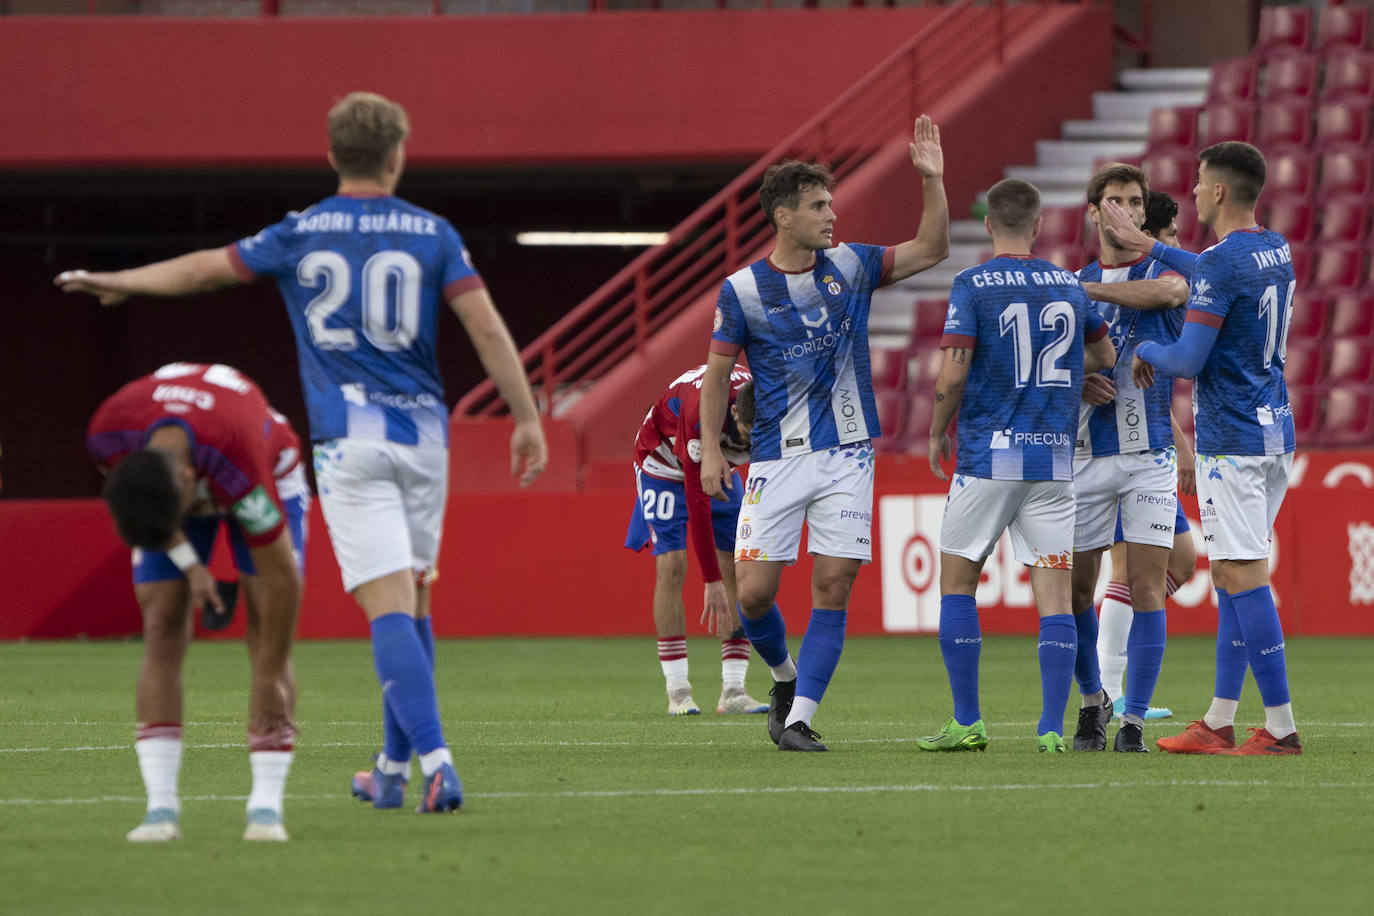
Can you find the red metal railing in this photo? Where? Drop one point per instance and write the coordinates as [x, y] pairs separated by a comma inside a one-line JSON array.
[[730, 228]]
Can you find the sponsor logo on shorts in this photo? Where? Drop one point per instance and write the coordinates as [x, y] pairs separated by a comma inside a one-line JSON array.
[[750, 553], [1154, 500], [864, 514], [1054, 561], [1156, 526], [754, 492], [863, 541]]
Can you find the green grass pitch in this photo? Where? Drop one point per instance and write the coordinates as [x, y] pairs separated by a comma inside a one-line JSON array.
[[583, 797]]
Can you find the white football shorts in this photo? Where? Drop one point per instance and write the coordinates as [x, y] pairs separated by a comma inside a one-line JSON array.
[[831, 490], [1037, 514], [1142, 485], [1238, 497], [383, 504]]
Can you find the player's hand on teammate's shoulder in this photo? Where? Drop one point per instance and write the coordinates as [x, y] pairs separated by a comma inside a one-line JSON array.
[[924, 148], [1098, 389], [940, 447], [528, 446], [95, 284], [1142, 373]]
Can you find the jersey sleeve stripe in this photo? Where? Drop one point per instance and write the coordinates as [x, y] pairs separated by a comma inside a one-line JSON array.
[[1197, 316], [1097, 335], [958, 342], [889, 262], [725, 347], [242, 270], [463, 285]]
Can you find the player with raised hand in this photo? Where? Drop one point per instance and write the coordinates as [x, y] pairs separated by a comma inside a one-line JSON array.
[[1233, 342], [1125, 466], [672, 508], [365, 275], [800, 315], [1019, 335], [185, 449]]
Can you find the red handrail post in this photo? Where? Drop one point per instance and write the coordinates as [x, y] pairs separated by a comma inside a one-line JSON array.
[[641, 290]]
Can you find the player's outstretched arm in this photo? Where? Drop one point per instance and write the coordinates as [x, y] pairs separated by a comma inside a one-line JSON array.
[[949, 390], [931, 244], [198, 272], [1146, 295], [715, 398], [495, 348]]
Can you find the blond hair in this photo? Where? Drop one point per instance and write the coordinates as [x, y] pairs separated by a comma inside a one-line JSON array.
[[363, 130]]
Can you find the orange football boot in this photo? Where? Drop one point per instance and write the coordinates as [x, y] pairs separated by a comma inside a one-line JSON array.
[[1197, 738], [1263, 744]]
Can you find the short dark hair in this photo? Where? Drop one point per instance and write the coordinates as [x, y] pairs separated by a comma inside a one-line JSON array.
[[1118, 173], [1013, 205], [784, 183], [1241, 166], [744, 405], [143, 499], [1160, 210]]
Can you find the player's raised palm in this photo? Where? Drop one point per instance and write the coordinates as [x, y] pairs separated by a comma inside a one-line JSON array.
[[925, 150]]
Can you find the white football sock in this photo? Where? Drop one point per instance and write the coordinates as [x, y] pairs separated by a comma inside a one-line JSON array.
[[159, 760], [1113, 629], [1221, 714], [270, 769]]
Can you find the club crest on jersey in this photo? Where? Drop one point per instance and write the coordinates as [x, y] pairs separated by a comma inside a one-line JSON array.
[[719, 320], [833, 288], [694, 450]]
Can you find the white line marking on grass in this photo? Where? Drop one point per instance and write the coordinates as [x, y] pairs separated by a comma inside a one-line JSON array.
[[761, 790]]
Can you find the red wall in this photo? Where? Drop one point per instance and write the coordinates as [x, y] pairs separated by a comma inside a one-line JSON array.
[[485, 89], [553, 564]]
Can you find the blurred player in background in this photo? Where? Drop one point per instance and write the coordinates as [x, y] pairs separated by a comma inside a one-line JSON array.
[[801, 316], [1160, 224], [365, 276], [672, 508], [1126, 466], [1019, 335], [1234, 342], [185, 449]]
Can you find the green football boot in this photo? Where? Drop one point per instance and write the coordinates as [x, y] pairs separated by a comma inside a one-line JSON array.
[[1051, 743], [956, 737]]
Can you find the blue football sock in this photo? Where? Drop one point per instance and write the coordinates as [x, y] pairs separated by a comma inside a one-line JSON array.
[[1231, 660], [424, 628], [820, 652], [1259, 624], [1085, 667], [1057, 650], [768, 635], [407, 683], [1144, 658], [961, 644]]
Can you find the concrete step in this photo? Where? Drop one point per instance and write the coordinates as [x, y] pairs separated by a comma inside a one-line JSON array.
[[966, 232], [1116, 129], [1138, 105], [1166, 79], [1052, 177], [1085, 152]]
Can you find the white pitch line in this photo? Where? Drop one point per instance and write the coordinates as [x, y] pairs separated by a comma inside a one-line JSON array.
[[763, 790]]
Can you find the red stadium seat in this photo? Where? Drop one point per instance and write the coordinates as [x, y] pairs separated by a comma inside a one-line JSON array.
[[1292, 217], [1344, 219], [1342, 121], [1309, 319], [1342, 27], [1302, 364], [1069, 257], [1307, 414], [892, 413], [923, 368], [1352, 360], [1230, 121], [1284, 122], [1173, 173], [1348, 74], [1290, 76], [928, 321], [1338, 267], [1352, 314], [1062, 225], [1291, 171], [1349, 417], [1172, 127], [1302, 263], [1344, 171], [888, 367], [1283, 28], [1232, 80], [1191, 233]]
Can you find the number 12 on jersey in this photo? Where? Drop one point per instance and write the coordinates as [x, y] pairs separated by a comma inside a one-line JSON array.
[[1015, 319]]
